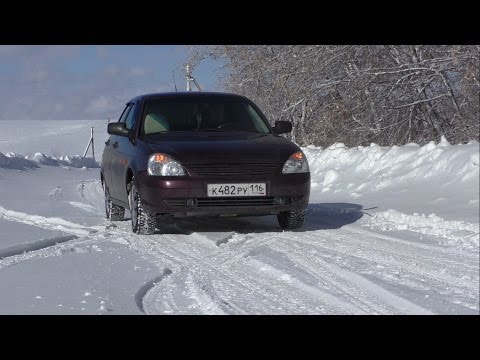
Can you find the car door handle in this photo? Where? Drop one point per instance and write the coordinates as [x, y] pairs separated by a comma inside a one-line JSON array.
[[107, 142], [115, 144]]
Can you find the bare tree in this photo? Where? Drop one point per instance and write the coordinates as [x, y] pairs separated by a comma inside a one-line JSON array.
[[359, 94]]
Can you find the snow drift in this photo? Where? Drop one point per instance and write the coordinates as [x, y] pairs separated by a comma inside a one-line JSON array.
[[384, 167], [20, 162]]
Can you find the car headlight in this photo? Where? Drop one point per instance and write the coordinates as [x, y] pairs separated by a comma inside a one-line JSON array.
[[297, 163], [164, 165]]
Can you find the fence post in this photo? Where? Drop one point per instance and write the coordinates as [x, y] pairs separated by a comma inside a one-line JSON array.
[[93, 148], [90, 142]]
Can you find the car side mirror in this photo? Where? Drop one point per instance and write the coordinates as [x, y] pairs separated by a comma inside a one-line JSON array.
[[282, 127], [117, 129]]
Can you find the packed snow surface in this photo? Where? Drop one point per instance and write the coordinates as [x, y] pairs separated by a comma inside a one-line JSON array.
[[389, 230]]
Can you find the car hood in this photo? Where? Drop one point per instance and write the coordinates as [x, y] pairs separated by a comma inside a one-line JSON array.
[[222, 146]]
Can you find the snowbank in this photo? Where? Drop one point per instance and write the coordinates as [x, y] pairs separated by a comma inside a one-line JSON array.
[[374, 168], [14, 161], [20, 162], [461, 234]]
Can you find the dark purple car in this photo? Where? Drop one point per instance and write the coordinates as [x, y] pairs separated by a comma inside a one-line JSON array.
[[201, 154]]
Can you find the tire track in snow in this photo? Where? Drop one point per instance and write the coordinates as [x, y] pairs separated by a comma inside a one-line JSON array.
[[191, 260], [401, 265], [281, 243], [140, 294], [315, 278], [205, 296], [164, 248], [419, 261], [50, 223], [256, 286], [432, 253], [34, 246], [368, 296], [255, 282], [92, 192], [387, 255], [309, 292], [405, 306]]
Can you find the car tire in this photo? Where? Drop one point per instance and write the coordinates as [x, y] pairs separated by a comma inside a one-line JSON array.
[[143, 223], [290, 220], [112, 211]]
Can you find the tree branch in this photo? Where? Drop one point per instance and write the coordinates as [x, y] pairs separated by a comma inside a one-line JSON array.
[[416, 102]]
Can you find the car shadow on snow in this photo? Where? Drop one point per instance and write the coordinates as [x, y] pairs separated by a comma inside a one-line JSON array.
[[325, 216], [320, 216]]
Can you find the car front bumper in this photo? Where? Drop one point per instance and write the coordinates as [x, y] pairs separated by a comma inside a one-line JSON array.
[[187, 196]]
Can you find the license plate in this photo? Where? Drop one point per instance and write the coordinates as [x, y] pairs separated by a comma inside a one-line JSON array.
[[256, 189]]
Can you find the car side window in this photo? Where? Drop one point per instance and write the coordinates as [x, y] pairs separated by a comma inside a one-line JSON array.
[[130, 120], [125, 113]]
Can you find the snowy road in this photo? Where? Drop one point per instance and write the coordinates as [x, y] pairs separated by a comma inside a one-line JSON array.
[[398, 237], [337, 264]]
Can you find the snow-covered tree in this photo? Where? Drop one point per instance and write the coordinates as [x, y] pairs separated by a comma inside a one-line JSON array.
[[357, 94]]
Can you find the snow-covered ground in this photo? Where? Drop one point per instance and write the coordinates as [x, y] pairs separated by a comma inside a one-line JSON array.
[[388, 231]]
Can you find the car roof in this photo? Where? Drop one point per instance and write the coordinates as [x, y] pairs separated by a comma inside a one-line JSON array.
[[186, 95]]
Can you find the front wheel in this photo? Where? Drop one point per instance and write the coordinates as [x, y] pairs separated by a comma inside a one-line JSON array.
[[142, 221], [112, 211], [292, 219]]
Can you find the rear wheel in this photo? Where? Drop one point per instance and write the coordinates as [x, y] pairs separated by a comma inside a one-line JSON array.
[[112, 211], [292, 219], [142, 222]]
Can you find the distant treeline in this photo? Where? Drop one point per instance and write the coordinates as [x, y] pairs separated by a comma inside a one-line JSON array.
[[358, 94]]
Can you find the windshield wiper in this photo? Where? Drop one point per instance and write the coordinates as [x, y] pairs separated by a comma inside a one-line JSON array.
[[212, 130]]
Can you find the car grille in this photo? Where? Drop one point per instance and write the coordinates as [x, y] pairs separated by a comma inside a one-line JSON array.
[[243, 201], [175, 202], [216, 202], [233, 169]]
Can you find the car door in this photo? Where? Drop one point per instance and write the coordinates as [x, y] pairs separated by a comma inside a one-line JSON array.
[[123, 152], [116, 158], [107, 152]]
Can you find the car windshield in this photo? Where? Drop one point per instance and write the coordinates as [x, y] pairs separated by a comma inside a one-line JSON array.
[[162, 116]]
